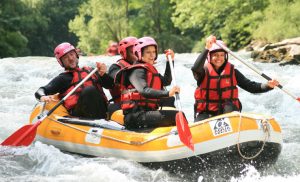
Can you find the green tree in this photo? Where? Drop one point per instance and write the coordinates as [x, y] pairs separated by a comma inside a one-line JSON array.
[[281, 20], [98, 22], [51, 19], [242, 21], [154, 19], [34, 27], [231, 20], [12, 41], [117, 19]]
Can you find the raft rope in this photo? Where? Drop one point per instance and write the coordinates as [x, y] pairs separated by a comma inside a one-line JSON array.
[[140, 142], [112, 138], [158, 137], [266, 131], [84, 131], [87, 132]]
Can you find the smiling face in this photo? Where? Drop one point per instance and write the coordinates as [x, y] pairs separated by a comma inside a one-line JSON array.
[[70, 60], [217, 59], [149, 54]]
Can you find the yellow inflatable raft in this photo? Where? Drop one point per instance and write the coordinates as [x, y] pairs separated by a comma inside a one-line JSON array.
[[231, 138]]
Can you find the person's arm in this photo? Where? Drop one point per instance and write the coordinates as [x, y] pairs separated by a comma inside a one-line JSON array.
[[198, 67], [105, 80], [250, 86], [39, 93], [138, 79], [58, 84], [112, 71], [167, 78]]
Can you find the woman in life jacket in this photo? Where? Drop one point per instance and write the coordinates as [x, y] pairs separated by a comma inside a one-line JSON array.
[[142, 89], [89, 100], [217, 82]]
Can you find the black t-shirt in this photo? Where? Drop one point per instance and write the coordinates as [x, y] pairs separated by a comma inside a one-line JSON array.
[[62, 83]]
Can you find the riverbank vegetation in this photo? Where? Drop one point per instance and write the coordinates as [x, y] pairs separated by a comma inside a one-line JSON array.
[[34, 27]]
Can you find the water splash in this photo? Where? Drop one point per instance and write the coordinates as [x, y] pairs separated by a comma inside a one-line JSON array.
[[21, 77]]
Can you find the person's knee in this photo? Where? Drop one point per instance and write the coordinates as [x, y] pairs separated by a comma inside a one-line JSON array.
[[135, 120], [167, 102], [91, 104], [112, 108], [229, 107], [202, 116]]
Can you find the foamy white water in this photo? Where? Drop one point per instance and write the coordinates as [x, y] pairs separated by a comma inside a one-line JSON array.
[[21, 77]]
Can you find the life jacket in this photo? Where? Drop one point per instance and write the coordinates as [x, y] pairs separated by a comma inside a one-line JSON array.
[[216, 90], [131, 98], [116, 91], [78, 75]]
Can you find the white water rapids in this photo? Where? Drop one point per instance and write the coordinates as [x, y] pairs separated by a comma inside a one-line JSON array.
[[21, 77]]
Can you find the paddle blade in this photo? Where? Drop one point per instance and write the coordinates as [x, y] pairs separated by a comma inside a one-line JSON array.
[[184, 130], [22, 137], [298, 99]]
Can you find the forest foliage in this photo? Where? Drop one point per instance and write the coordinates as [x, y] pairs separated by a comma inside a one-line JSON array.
[[35, 27]]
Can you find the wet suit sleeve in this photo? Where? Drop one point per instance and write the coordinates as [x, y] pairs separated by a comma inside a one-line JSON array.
[[167, 78], [250, 86], [112, 71], [105, 81], [197, 69], [138, 79], [58, 84]]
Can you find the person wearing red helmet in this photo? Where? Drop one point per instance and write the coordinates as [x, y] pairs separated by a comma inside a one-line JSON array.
[[142, 88], [217, 82], [125, 49], [88, 101]]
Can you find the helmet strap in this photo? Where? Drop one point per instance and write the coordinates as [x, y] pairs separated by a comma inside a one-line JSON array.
[[62, 63]]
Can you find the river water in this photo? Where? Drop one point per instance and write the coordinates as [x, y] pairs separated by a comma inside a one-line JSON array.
[[21, 77]]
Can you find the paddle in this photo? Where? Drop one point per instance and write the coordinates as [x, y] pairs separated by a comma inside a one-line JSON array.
[[256, 70], [25, 135], [181, 121]]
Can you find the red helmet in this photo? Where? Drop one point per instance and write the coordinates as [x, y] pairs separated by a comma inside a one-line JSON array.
[[142, 43], [216, 48], [124, 44], [63, 49]]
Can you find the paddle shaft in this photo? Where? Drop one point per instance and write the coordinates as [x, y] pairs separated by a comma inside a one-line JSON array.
[[71, 92], [183, 128], [25, 135], [177, 98], [255, 69]]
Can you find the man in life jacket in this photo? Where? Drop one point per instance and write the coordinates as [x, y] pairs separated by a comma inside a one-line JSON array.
[[89, 100], [142, 89], [125, 49], [217, 82]]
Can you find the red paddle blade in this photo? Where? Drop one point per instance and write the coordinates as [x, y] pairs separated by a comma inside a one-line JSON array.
[[22, 137], [184, 130], [298, 99]]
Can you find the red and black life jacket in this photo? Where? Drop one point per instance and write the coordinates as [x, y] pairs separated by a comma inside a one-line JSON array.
[[131, 98], [116, 91], [216, 90], [78, 75]]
